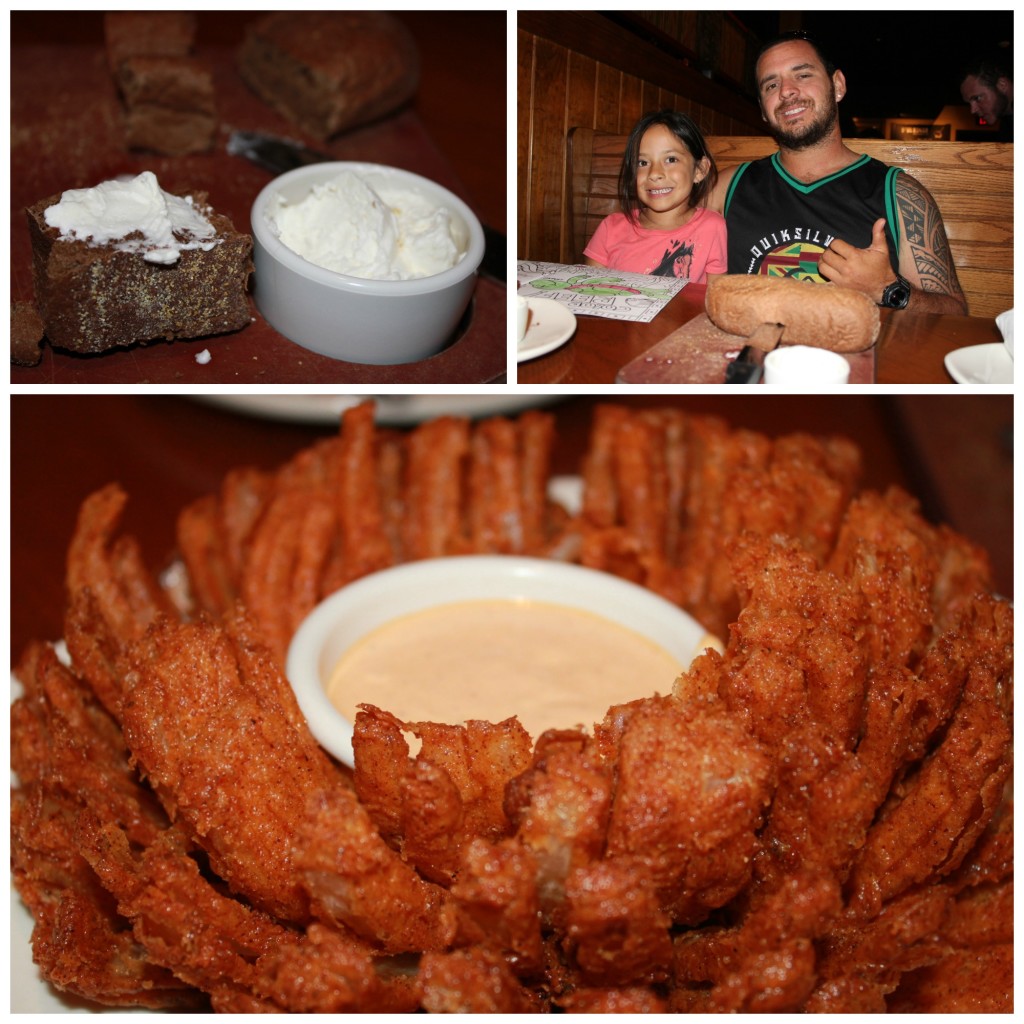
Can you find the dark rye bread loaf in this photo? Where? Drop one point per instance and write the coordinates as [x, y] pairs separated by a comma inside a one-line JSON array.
[[93, 298], [147, 33], [330, 70], [169, 104], [26, 334], [168, 94]]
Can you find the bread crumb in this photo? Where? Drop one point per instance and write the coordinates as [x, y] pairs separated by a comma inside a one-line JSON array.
[[26, 334], [202, 358]]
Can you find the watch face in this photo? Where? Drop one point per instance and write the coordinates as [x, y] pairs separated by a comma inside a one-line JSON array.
[[897, 295]]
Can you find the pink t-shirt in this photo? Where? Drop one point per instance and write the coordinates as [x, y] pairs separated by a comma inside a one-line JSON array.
[[694, 250]]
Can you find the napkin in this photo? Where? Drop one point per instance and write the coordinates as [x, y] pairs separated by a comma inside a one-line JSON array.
[[1005, 324]]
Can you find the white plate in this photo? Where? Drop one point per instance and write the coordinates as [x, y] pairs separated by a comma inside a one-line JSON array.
[[981, 364], [551, 325], [392, 410]]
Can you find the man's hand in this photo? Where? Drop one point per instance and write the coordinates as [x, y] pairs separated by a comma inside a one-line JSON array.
[[865, 270]]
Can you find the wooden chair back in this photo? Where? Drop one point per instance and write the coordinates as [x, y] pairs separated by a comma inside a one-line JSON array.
[[972, 183]]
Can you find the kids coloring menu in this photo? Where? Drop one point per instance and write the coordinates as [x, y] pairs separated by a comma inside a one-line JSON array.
[[596, 291]]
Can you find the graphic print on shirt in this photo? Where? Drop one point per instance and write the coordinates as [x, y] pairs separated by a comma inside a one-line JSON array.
[[790, 252], [676, 262]]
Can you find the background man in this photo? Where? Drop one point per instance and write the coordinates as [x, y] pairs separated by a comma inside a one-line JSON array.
[[987, 88]]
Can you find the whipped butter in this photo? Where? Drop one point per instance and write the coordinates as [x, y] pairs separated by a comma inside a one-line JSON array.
[[135, 216], [384, 232]]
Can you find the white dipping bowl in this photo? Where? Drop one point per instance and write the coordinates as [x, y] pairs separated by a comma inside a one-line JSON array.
[[354, 318], [805, 366], [349, 614]]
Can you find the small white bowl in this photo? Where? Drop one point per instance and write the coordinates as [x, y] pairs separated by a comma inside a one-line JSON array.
[[353, 318], [805, 366], [349, 614]]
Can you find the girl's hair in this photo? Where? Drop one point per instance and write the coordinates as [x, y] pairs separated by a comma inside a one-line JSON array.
[[687, 132]]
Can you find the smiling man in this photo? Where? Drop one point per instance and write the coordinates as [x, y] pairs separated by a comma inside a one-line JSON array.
[[817, 210]]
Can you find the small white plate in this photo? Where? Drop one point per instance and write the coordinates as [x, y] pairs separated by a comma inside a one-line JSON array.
[[981, 364], [551, 325]]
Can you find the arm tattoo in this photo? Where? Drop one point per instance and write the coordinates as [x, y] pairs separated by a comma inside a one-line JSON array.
[[926, 237]]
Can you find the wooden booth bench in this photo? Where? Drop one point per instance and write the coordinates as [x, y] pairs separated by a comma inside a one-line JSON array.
[[972, 183]]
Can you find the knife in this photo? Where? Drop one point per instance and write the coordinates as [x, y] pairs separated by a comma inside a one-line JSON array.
[[747, 367], [277, 155]]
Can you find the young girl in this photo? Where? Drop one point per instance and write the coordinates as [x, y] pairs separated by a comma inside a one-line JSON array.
[[664, 228]]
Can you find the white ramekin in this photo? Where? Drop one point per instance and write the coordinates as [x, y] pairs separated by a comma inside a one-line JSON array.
[[352, 318], [349, 614]]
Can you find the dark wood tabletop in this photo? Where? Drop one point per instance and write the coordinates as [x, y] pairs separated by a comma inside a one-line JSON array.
[[911, 347], [953, 452], [66, 132]]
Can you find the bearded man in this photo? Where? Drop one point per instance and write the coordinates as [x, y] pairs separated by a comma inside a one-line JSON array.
[[987, 88], [816, 210]]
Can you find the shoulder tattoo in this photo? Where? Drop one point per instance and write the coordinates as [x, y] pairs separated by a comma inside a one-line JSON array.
[[926, 237]]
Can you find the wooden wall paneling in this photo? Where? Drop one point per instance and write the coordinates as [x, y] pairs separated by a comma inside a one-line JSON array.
[[732, 54], [590, 33], [652, 97], [581, 91], [679, 25], [580, 108], [547, 165], [631, 106], [524, 149], [606, 96]]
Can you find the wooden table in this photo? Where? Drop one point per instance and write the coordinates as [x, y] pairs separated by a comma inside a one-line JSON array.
[[911, 347], [66, 132], [952, 452]]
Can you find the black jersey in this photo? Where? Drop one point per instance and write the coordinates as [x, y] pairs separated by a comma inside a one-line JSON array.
[[779, 226]]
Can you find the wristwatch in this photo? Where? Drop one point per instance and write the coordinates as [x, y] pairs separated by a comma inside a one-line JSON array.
[[897, 294]]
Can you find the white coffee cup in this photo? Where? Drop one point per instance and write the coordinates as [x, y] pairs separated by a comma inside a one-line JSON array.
[[805, 366], [523, 311]]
